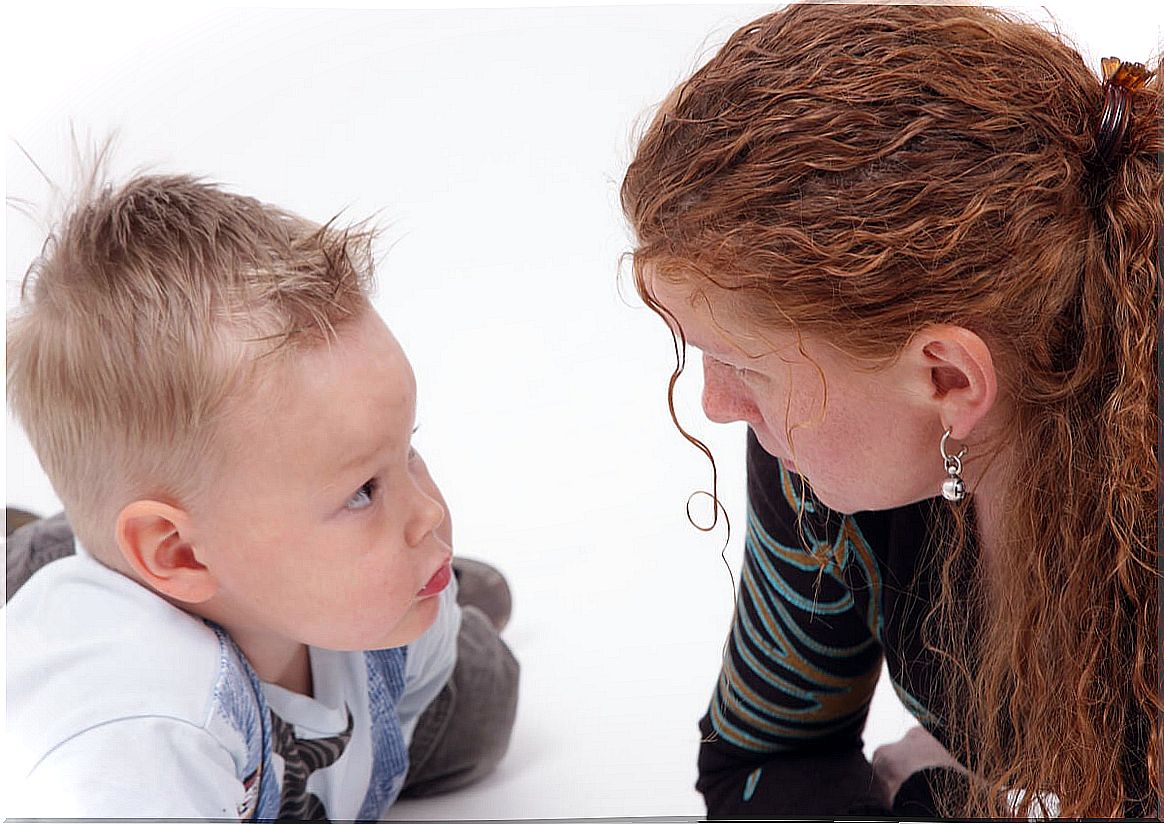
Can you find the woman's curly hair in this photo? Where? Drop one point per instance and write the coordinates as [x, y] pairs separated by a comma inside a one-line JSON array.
[[864, 171]]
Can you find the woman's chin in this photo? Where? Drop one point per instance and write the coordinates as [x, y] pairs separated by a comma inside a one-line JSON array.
[[768, 445]]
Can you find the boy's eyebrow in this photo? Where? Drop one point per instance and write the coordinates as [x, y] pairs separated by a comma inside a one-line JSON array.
[[366, 456], [362, 458]]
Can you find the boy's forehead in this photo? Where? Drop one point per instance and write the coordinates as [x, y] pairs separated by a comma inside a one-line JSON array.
[[343, 392]]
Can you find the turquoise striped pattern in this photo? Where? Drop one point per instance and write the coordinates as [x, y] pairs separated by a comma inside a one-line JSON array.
[[802, 660]]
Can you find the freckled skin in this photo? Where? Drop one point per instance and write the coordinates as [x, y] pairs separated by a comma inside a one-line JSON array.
[[868, 447]]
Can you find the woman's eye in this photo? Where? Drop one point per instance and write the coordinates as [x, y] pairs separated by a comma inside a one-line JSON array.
[[744, 372], [363, 497], [740, 371]]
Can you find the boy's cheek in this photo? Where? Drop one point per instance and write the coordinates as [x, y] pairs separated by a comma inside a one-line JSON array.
[[445, 530], [416, 622]]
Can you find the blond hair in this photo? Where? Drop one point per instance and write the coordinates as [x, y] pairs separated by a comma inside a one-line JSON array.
[[151, 306]]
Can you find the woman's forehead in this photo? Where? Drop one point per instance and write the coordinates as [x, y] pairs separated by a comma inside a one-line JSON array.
[[717, 320]]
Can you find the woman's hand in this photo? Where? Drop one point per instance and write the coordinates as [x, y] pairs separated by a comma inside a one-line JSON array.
[[917, 750]]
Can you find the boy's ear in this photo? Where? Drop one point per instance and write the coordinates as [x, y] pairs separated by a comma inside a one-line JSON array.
[[154, 540], [957, 373]]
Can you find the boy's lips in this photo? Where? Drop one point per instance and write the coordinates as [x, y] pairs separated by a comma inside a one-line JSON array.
[[438, 581]]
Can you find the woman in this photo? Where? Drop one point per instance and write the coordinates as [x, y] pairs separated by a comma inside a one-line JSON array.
[[916, 247]]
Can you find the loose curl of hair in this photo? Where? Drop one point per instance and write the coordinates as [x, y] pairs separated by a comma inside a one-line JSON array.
[[863, 171]]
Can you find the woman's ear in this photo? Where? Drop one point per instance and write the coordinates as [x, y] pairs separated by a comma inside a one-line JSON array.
[[154, 539], [956, 369]]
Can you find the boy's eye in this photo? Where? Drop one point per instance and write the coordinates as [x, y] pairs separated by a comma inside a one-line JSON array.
[[363, 497]]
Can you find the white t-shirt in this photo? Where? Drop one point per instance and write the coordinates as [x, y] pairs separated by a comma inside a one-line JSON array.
[[115, 707]]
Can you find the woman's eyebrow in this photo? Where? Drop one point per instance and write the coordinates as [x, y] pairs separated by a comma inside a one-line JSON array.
[[736, 355]]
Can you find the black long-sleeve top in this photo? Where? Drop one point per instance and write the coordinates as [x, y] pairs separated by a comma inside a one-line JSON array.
[[782, 737]]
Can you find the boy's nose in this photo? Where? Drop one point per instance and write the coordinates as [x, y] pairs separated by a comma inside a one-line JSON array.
[[430, 514], [725, 398]]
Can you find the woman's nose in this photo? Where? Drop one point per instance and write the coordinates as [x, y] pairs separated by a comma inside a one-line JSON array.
[[725, 398]]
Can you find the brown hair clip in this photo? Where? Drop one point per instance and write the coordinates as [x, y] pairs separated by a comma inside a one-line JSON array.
[[1120, 78]]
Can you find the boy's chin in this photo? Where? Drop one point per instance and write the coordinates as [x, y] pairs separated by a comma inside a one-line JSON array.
[[415, 623]]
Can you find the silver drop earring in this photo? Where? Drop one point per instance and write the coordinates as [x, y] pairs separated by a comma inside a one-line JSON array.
[[953, 489]]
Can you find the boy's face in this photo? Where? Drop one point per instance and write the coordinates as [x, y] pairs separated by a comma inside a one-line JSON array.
[[323, 527]]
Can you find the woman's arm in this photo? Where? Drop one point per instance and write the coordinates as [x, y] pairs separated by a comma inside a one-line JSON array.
[[783, 733]]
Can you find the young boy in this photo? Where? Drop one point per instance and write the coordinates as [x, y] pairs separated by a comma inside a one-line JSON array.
[[260, 615]]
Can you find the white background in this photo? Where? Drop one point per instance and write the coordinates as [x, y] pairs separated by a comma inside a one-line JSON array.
[[491, 143]]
